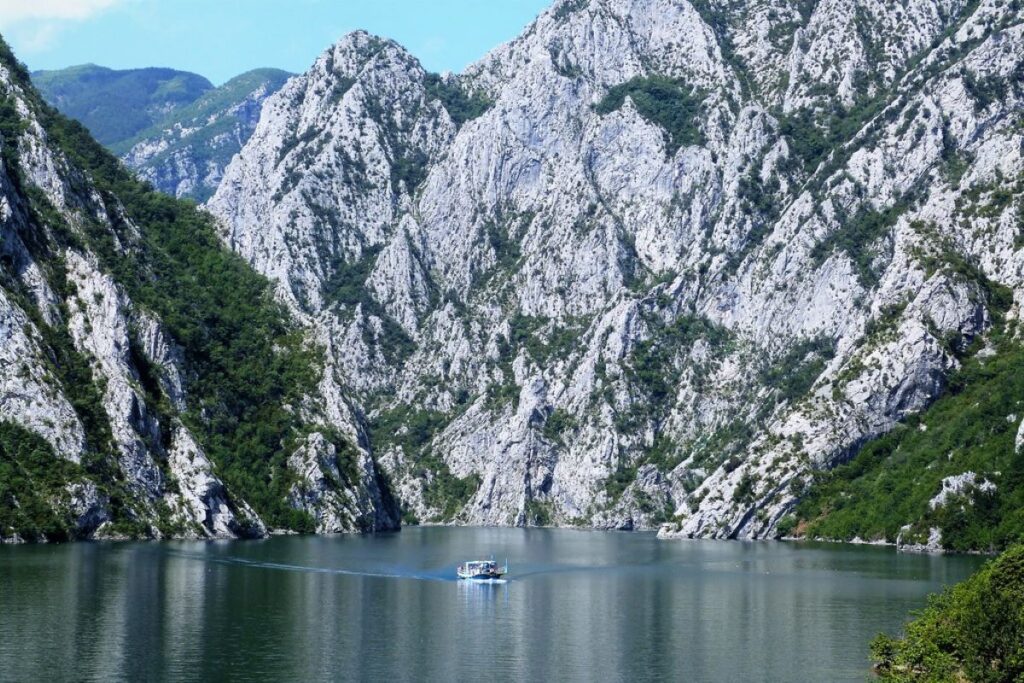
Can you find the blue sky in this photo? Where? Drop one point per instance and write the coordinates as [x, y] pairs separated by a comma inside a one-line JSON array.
[[222, 38]]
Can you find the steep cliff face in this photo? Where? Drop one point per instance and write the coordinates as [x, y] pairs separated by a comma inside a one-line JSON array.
[[138, 397], [651, 261], [185, 153]]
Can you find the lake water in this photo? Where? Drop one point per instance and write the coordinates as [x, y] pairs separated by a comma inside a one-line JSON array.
[[580, 605]]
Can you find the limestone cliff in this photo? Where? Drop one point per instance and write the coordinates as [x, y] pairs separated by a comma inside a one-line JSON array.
[[651, 261], [122, 370]]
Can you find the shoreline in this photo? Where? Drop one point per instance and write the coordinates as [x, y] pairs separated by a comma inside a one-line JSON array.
[[660, 534]]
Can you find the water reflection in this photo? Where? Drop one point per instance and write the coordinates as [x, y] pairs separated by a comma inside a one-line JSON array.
[[578, 606], [478, 595]]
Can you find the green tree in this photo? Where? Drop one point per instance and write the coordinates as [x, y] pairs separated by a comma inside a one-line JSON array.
[[972, 632]]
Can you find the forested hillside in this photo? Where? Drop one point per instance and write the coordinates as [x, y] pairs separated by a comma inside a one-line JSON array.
[[151, 386]]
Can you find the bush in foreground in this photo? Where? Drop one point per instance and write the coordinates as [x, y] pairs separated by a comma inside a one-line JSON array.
[[972, 632]]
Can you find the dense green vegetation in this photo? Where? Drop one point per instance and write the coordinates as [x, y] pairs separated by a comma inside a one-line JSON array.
[[652, 365], [506, 248], [247, 362], [116, 105], [794, 374], [538, 513], [619, 480], [972, 632], [347, 283], [559, 423], [665, 102], [208, 119], [211, 103], [32, 477], [461, 106], [123, 108], [67, 367], [971, 428], [525, 333]]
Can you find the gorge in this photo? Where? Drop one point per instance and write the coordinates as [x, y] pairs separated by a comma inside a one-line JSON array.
[[651, 263]]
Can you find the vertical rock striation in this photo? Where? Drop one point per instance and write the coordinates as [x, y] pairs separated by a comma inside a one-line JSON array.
[[650, 261]]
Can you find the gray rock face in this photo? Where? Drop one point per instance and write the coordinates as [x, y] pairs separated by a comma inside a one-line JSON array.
[[932, 545], [959, 485], [320, 469], [89, 508], [682, 258], [134, 467], [27, 395]]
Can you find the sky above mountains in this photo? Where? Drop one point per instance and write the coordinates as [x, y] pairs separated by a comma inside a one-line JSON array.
[[222, 38]]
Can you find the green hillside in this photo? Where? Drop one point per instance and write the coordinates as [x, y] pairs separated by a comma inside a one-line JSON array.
[[117, 105], [211, 104], [891, 481], [246, 361]]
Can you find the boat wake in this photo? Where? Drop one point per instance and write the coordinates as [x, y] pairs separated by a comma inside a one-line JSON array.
[[281, 566], [444, 575]]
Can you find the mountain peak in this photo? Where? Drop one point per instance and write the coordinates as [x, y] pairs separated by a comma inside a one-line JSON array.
[[353, 51], [116, 105], [581, 257]]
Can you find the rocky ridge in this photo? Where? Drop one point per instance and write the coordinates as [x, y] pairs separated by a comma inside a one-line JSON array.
[[651, 261], [106, 416]]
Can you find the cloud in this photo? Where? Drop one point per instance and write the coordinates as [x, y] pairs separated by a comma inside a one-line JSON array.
[[16, 11]]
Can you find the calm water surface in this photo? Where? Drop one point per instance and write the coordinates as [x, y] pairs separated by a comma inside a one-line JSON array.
[[580, 606]]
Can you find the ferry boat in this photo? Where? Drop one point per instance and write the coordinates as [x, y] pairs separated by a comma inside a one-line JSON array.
[[481, 570]]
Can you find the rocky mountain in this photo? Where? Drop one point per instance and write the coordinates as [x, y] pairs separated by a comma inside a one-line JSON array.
[[174, 128], [652, 261], [115, 105], [149, 385], [185, 153]]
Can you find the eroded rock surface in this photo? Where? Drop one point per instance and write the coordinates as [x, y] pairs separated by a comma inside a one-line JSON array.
[[548, 300]]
